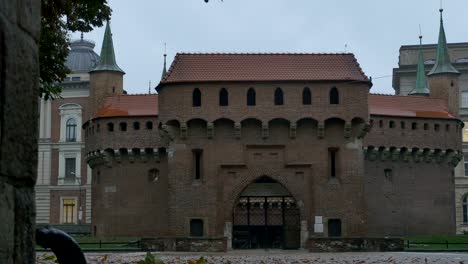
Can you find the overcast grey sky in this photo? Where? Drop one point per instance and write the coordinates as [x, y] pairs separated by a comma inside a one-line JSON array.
[[373, 30]]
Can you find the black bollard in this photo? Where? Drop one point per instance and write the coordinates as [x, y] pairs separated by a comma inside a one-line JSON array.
[[63, 245]]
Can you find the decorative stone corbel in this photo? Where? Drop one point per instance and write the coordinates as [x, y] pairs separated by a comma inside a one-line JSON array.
[[372, 154], [440, 156], [131, 156], [364, 129], [456, 159], [292, 130], [347, 130], [406, 155], [210, 130], [183, 130], [237, 130], [265, 130], [156, 155], [428, 155], [384, 154], [117, 156], [106, 157], [321, 130], [143, 155], [417, 155], [395, 154]]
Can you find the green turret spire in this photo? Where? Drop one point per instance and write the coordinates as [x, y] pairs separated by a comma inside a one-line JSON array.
[[164, 72], [107, 59], [421, 83], [443, 64]]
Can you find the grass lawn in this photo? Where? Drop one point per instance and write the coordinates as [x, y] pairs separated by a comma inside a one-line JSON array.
[[426, 240]]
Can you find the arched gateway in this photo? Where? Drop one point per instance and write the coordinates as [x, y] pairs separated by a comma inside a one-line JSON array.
[[266, 216]]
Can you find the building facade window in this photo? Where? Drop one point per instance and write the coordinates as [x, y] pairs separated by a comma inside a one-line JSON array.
[[465, 163], [402, 125], [332, 157], [426, 126], [306, 96], [436, 127], [197, 166], [465, 209], [70, 170], [70, 122], [464, 99], [334, 96], [414, 126], [223, 97], [149, 125], [71, 130], [110, 127], [465, 132], [391, 124], [123, 126], [196, 227], [136, 125], [68, 211], [251, 97], [279, 96], [196, 97]]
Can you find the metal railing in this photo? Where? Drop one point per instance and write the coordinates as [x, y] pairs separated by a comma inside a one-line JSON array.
[[430, 245]]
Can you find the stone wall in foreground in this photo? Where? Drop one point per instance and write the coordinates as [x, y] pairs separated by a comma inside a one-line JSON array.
[[326, 244], [19, 80]]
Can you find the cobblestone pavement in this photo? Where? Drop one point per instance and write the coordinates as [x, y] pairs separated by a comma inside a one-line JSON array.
[[299, 257]]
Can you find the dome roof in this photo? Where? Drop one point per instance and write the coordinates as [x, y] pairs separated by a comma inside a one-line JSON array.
[[81, 57]]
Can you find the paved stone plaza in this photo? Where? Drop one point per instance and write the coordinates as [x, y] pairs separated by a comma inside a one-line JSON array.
[[265, 257]]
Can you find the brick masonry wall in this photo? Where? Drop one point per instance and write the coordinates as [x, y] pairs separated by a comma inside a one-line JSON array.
[[19, 83], [102, 138]]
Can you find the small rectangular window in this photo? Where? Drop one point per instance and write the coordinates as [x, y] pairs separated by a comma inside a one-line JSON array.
[[465, 161], [197, 156], [414, 126], [332, 155], [402, 124], [196, 227], [464, 99], [123, 126]]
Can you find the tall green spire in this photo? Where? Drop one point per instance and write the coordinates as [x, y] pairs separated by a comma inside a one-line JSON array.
[[107, 59], [443, 64], [421, 83], [164, 72]]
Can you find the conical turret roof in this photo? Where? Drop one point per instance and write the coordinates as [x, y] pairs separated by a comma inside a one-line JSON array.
[[107, 59], [421, 82], [442, 64]]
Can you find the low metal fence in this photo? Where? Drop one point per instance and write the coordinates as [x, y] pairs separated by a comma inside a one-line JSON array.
[[436, 245]]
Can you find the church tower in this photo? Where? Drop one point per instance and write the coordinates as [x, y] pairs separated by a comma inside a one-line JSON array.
[[106, 79], [443, 78]]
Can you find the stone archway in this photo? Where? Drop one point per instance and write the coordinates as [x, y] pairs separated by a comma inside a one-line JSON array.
[[266, 215]]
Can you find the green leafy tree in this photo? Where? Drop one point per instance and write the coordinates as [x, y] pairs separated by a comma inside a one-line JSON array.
[[59, 17]]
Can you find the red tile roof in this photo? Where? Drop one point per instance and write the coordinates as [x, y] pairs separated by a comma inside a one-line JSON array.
[[129, 105], [408, 106], [213, 67]]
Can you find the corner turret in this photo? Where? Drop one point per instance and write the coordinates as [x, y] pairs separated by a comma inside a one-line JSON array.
[[443, 78], [106, 79]]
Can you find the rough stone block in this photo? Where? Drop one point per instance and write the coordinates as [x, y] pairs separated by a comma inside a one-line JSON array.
[[7, 214]]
